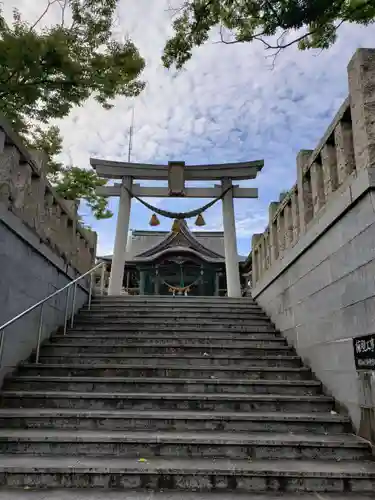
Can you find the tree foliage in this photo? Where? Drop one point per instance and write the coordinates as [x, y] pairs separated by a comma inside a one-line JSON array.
[[46, 71], [241, 21]]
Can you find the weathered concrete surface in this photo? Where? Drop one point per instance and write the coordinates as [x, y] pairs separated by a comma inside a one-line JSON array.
[[110, 495], [327, 296], [29, 272]]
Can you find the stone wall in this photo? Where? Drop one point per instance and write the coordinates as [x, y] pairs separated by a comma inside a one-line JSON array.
[[314, 265], [42, 247]]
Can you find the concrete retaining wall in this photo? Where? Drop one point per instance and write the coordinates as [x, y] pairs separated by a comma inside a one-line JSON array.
[[42, 248], [314, 266], [29, 272]]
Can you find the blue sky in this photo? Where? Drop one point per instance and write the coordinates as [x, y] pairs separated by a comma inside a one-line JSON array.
[[227, 105]]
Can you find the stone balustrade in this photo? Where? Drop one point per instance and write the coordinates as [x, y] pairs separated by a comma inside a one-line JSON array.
[[347, 147], [25, 191]]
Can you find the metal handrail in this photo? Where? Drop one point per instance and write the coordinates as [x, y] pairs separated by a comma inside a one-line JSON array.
[[66, 314]]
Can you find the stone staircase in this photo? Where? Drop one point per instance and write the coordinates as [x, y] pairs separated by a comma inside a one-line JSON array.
[[194, 395]]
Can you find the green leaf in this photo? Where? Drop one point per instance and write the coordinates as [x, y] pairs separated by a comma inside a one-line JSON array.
[[45, 73], [240, 21]]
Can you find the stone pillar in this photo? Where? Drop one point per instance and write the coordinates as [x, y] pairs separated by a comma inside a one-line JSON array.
[[255, 257], [142, 282], [329, 164], [122, 227], [295, 215], [217, 284], [156, 285], [274, 243], [267, 248], [230, 243], [361, 73], [280, 226], [264, 253], [288, 225], [304, 190], [317, 186], [344, 150]]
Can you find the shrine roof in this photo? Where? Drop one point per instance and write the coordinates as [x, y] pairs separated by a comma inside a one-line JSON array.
[[146, 245]]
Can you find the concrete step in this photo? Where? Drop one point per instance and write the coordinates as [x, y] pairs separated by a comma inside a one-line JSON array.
[[204, 475], [168, 321], [229, 350], [159, 314], [150, 444], [166, 401], [153, 385], [173, 308], [165, 299], [165, 370], [217, 329], [149, 340], [95, 494], [183, 421], [183, 361]]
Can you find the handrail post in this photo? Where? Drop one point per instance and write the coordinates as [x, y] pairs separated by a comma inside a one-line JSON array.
[[40, 329], [102, 276], [73, 305], [66, 309], [90, 291]]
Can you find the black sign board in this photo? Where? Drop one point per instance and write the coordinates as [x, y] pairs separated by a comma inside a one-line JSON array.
[[364, 352]]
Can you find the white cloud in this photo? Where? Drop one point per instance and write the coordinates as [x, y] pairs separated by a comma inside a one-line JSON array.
[[227, 105]]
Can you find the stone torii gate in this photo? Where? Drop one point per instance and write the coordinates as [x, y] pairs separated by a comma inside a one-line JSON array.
[[176, 173]]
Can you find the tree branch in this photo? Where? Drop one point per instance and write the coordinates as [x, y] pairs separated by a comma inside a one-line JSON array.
[[50, 2]]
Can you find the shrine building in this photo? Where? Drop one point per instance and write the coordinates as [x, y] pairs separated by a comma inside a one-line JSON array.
[[178, 262]]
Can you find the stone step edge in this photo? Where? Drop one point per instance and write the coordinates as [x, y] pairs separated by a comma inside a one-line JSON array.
[[168, 312], [174, 415], [269, 337], [214, 438], [164, 367], [172, 346], [171, 306], [168, 356], [59, 494], [168, 320], [165, 396], [220, 332], [162, 380], [284, 468]]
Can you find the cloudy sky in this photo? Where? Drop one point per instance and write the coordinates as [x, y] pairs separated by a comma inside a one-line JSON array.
[[227, 105]]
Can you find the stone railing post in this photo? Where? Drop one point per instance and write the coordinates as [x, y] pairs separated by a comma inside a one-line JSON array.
[[288, 221], [329, 164], [344, 150], [255, 257], [305, 204], [361, 73], [317, 186], [274, 245], [25, 191], [295, 215], [280, 227], [267, 247]]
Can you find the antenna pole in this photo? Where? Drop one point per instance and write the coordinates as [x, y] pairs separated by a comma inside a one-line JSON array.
[[131, 135]]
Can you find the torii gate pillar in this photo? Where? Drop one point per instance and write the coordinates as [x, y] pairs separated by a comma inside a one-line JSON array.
[[121, 238], [230, 242]]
